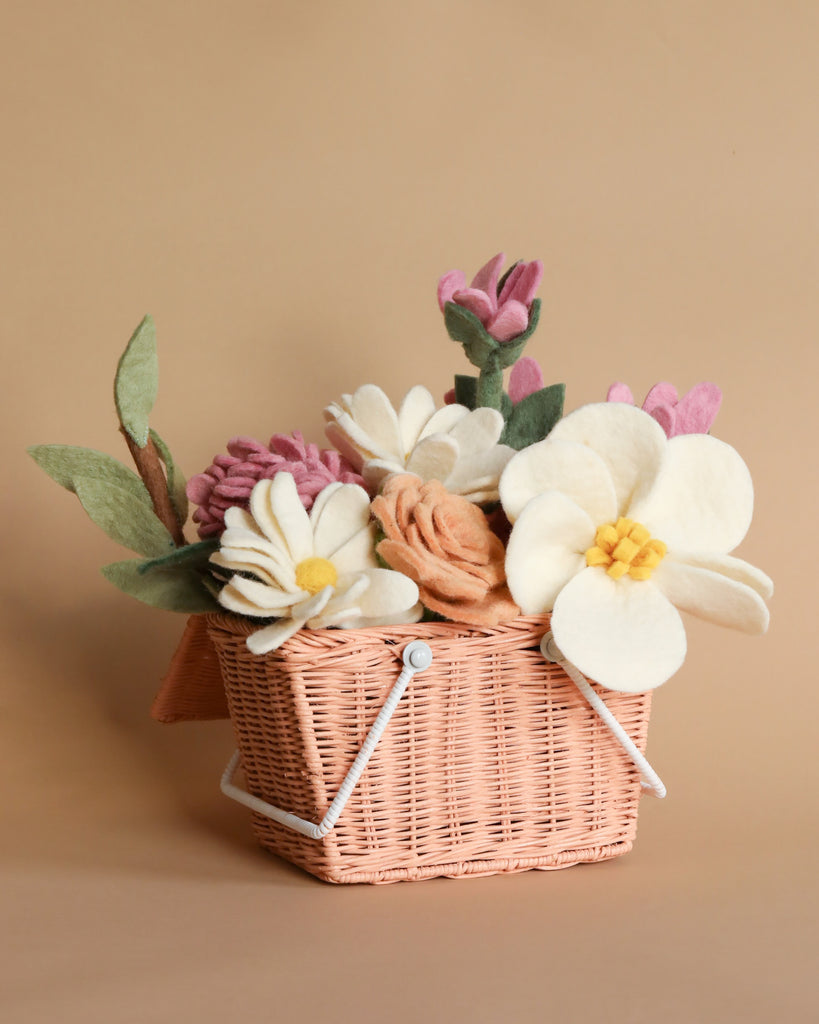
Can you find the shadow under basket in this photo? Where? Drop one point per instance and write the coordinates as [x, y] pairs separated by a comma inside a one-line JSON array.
[[492, 761]]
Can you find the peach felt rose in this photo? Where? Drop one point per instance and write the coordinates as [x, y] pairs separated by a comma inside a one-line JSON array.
[[443, 542]]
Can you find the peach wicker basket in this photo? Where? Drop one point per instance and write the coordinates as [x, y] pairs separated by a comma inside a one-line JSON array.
[[492, 762]]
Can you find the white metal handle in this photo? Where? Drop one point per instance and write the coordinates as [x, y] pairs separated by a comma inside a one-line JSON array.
[[651, 783], [417, 656]]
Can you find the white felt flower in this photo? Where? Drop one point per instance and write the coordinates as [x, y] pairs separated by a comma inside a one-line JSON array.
[[452, 445], [616, 528], [315, 570]]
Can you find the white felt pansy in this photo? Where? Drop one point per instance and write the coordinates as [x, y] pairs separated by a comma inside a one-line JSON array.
[[616, 528], [453, 445], [315, 570]]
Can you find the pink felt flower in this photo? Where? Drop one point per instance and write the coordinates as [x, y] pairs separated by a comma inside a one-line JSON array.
[[228, 481], [504, 314], [694, 413]]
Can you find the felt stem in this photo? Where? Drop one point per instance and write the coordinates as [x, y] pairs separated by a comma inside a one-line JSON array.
[[490, 385], [149, 466]]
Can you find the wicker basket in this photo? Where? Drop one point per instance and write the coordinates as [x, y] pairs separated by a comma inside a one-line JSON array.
[[492, 762]]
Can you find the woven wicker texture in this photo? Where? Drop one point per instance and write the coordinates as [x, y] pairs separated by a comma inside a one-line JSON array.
[[192, 689], [493, 762]]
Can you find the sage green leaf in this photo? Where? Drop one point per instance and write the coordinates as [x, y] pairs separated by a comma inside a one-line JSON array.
[[464, 327], [66, 463], [137, 381], [176, 481], [175, 589], [123, 517], [532, 419], [191, 556]]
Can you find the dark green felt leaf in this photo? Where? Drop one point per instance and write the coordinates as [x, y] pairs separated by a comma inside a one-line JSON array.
[[176, 481], [464, 327], [192, 556], [466, 389], [66, 464], [123, 517], [175, 590], [533, 417], [137, 381]]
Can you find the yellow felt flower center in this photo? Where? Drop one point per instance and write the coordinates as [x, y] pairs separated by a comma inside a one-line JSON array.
[[626, 547], [314, 574]]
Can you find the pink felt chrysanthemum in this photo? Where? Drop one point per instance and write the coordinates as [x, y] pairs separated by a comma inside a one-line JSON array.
[[230, 478]]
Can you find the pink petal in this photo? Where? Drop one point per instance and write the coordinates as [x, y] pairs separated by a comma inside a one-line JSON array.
[[449, 397], [448, 285], [477, 302], [242, 447], [486, 280], [661, 394], [512, 319], [289, 447], [523, 285], [698, 409], [526, 378], [199, 488], [666, 416], [620, 393]]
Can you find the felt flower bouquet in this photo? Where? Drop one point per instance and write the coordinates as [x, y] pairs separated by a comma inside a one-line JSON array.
[[486, 506]]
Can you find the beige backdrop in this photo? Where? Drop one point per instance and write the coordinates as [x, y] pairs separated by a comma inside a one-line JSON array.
[[281, 185]]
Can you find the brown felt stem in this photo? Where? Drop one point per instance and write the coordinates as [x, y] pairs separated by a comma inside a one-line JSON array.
[[149, 466]]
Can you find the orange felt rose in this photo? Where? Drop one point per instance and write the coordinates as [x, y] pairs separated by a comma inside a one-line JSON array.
[[444, 543]]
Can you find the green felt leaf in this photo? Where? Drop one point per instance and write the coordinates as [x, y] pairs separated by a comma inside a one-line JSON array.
[[137, 381], [464, 327], [534, 416], [176, 480], [66, 463], [466, 390], [123, 517], [191, 556], [175, 589]]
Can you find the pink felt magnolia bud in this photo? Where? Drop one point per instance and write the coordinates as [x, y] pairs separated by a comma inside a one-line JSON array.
[[504, 313], [694, 413], [229, 480]]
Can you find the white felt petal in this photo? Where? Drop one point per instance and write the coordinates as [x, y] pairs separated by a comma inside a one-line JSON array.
[[313, 605], [389, 593], [477, 431], [357, 553], [239, 519], [235, 601], [270, 599], [479, 472], [261, 509], [711, 596], [625, 633], [345, 513], [374, 414], [291, 517], [444, 420], [546, 549], [349, 437], [356, 454], [733, 568], [628, 440], [272, 637], [416, 411], [702, 499], [564, 466], [354, 621], [320, 501], [434, 458], [272, 570], [349, 587]]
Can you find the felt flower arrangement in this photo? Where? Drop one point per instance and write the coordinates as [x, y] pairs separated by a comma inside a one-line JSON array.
[[620, 517]]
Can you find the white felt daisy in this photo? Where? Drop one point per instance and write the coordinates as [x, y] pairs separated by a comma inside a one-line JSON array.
[[616, 527], [452, 445], [315, 570]]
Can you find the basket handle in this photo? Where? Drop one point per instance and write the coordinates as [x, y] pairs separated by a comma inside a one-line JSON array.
[[651, 782], [417, 656]]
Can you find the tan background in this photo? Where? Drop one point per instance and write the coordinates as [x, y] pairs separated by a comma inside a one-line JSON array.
[[281, 185]]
